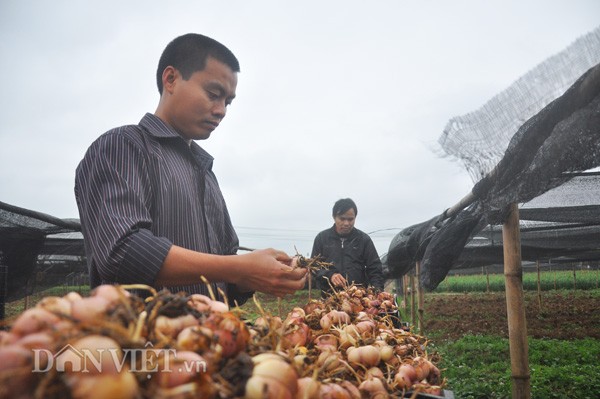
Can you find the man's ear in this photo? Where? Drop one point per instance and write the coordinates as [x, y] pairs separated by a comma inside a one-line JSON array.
[[169, 76]]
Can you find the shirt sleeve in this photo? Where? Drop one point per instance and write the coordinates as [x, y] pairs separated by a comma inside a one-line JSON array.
[[113, 191]]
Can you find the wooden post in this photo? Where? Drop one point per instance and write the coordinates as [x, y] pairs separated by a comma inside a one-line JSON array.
[[412, 299], [405, 286], [539, 284], [515, 305], [420, 299]]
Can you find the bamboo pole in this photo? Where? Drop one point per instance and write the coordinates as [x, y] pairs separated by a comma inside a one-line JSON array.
[[539, 284], [412, 299], [406, 285], [420, 300], [517, 325]]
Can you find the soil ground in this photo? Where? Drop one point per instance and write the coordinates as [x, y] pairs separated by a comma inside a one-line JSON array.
[[563, 315]]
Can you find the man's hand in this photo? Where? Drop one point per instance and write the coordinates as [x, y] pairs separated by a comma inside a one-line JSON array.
[[338, 280], [272, 272]]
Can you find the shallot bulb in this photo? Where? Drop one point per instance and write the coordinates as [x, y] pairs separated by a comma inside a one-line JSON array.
[[269, 322], [180, 369], [14, 356], [90, 309], [105, 377], [334, 317], [296, 333], [362, 316], [122, 386], [272, 377], [72, 296], [373, 388], [204, 304], [422, 367], [386, 351], [313, 306], [351, 389], [329, 360], [405, 377], [195, 338], [326, 342], [367, 355], [34, 320], [171, 327], [374, 372], [7, 338], [334, 391], [56, 305], [296, 313], [231, 332], [39, 340], [366, 327], [308, 388], [348, 336], [15, 372], [428, 389], [112, 293]]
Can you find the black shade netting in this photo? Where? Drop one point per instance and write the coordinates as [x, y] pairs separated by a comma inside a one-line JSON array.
[[447, 244], [535, 144], [37, 251]]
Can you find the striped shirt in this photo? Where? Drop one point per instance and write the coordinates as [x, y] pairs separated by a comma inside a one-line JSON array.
[[141, 189]]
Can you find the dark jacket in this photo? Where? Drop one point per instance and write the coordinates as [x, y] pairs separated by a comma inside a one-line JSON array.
[[353, 256]]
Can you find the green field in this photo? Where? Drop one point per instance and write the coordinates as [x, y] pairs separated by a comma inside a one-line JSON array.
[[478, 367], [549, 280]]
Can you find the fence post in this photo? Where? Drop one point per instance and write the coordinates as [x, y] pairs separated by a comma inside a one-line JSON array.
[[515, 305], [412, 299], [539, 284], [405, 289], [420, 299]]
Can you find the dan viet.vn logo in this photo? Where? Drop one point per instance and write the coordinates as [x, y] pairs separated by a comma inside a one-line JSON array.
[[96, 359]]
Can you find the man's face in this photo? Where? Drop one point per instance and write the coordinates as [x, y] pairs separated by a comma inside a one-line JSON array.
[[199, 104], [344, 223]]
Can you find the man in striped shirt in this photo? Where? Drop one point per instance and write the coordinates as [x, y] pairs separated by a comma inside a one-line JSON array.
[[150, 206]]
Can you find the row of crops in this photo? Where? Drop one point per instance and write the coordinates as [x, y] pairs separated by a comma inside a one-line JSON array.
[[547, 280]]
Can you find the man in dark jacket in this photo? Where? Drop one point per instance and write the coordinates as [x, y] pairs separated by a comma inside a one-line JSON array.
[[352, 252]]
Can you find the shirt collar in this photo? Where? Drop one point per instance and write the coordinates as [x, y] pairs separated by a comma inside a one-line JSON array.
[[160, 129], [157, 127]]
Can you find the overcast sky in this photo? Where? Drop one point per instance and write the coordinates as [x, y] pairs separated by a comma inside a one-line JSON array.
[[335, 98]]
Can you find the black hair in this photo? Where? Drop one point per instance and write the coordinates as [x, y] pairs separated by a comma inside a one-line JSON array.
[[188, 54], [342, 206]]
